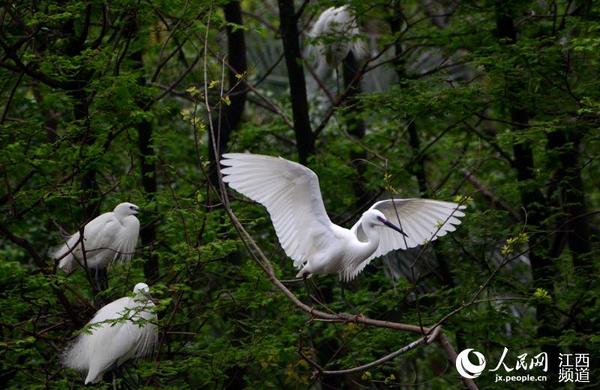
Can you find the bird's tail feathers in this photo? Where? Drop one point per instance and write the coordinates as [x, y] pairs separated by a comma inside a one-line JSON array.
[[352, 270], [79, 356], [93, 377], [66, 260], [75, 355], [64, 253], [316, 59], [123, 252], [148, 341]]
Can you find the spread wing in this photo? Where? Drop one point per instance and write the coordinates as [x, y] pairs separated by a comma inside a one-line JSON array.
[[292, 196], [423, 220]]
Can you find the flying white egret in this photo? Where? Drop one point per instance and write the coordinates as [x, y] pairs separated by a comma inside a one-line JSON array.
[[292, 196], [122, 330], [341, 25], [108, 237]]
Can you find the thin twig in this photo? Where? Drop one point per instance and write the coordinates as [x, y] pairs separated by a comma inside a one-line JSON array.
[[420, 341]]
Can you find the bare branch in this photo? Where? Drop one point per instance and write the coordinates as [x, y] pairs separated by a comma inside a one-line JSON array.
[[420, 341]]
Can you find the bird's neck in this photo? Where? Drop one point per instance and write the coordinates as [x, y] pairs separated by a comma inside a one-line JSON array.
[[367, 248]]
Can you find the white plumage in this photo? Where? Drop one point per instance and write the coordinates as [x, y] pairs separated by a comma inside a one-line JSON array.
[[292, 196], [122, 330], [338, 35], [108, 237]]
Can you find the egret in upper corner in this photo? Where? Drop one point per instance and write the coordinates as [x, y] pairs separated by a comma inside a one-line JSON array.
[[108, 237], [340, 24], [292, 196], [122, 330]]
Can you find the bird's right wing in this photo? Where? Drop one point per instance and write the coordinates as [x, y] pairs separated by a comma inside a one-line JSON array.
[[292, 196], [148, 335], [423, 220]]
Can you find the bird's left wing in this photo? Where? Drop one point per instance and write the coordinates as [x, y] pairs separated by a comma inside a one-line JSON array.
[[292, 196], [423, 220], [107, 237], [100, 232]]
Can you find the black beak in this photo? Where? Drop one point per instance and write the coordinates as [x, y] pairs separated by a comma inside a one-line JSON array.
[[392, 226], [148, 296]]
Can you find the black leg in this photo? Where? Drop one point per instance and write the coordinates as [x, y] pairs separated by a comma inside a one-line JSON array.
[[102, 279], [306, 286], [96, 280]]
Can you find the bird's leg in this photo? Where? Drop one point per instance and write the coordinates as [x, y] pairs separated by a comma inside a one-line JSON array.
[[318, 296], [98, 287], [114, 381], [96, 280], [100, 279], [103, 276], [313, 292], [128, 380], [306, 286]]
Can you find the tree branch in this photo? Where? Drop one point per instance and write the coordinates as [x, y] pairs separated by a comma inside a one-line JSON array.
[[494, 200], [26, 245], [423, 340]]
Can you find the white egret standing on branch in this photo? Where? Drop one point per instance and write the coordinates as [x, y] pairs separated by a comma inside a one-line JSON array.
[[108, 237], [341, 26], [122, 330], [292, 196]]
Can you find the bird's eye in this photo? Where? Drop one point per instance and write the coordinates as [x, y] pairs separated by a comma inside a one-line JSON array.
[[131, 207]]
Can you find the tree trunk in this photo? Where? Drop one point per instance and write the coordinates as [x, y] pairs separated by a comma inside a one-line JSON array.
[[356, 128], [229, 119], [305, 141], [418, 166], [90, 192], [230, 115], [572, 200], [533, 201], [148, 176], [147, 164]]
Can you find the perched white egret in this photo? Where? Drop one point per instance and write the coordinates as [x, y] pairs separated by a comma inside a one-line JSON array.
[[122, 330], [340, 24], [292, 196], [108, 237]]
